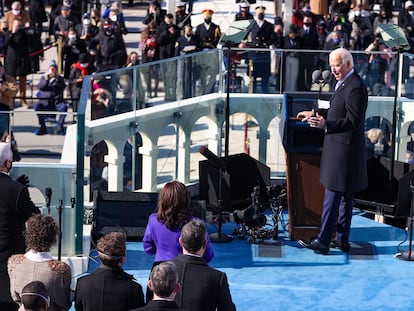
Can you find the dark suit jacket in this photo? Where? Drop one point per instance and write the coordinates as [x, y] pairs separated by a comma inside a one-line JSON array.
[[159, 305], [344, 156], [15, 208], [108, 289], [202, 287]]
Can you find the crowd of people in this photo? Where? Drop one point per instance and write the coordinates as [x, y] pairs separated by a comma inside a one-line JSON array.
[[93, 41]]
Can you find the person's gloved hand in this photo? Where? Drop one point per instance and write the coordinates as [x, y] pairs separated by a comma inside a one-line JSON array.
[[23, 179]]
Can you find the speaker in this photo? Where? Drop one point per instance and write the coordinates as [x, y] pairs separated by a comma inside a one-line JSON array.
[[122, 211], [128, 212], [242, 174], [385, 195]]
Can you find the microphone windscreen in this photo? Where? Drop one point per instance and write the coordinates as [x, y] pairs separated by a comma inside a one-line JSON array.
[[316, 76], [326, 76]]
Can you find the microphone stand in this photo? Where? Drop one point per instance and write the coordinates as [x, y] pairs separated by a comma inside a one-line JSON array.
[[218, 237], [407, 255], [60, 209]]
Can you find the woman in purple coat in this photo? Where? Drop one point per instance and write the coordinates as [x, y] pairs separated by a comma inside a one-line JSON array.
[[164, 227]]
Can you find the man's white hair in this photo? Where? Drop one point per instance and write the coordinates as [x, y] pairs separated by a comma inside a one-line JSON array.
[[5, 153]]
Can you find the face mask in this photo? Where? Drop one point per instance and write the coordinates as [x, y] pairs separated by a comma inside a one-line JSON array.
[[411, 13], [260, 16], [109, 32], [358, 13], [85, 65], [114, 18], [16, 12], [207, 20], [336, 40], [86, 22]]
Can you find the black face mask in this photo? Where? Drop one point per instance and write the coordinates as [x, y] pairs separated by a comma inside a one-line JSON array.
[[207, 20], [260, 16], [109, 32]]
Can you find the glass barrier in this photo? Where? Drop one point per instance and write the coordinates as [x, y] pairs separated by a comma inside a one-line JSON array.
[[150, 124]]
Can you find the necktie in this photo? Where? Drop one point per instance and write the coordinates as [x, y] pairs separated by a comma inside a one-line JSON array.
[[337, 85]]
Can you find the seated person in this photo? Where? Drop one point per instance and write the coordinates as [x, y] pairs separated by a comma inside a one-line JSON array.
[[203, 288], [164, 284], [51, 87], [109, 287], [35, 297]]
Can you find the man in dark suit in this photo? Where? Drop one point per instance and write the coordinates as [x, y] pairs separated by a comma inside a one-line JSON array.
[[109, 287], [186, 44], [259, 37], [164, 284], [202, 287], [15, 208], [167, 35], [344, 157], [307, 61]]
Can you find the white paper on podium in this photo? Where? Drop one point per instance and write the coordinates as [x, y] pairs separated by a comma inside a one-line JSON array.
[[323, 104]]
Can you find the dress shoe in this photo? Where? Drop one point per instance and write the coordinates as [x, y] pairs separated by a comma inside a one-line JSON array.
[[315, 245], [345, 247], [60, 131], [40, 131]]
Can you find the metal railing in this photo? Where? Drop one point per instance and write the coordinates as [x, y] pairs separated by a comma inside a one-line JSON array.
[[144, 141]]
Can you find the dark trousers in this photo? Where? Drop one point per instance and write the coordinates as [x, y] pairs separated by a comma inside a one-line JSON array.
[[61, 107], [337, 211]]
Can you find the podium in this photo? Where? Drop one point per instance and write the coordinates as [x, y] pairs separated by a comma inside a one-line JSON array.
[[303, 146]]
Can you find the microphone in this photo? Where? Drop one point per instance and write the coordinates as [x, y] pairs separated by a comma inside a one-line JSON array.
[[326, 76], [215, 160], [317, 76], [48, 192]]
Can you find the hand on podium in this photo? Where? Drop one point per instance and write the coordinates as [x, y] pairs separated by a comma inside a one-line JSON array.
[[313, 119]]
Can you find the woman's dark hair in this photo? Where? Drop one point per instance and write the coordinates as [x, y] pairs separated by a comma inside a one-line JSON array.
[[111, 248], [173, 205], [35, 296], [41, 233]]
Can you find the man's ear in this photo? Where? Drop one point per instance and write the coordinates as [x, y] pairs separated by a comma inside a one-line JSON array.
[[8, 164], [180, 240], [150, 285], [177, 288]]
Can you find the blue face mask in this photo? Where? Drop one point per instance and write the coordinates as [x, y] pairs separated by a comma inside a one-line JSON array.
[[336, 40]]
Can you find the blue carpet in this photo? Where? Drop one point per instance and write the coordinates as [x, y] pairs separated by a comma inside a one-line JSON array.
[[286, 276]]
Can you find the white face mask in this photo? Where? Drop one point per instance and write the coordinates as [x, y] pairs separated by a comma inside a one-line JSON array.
[[72, 37], [86, 22], [114, 18], [358, 13], [16, 12], [84, 65]]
